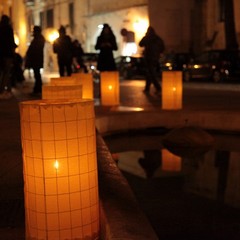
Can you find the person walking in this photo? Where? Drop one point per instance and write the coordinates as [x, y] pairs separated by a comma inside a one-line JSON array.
[[63, 47], [34, 57], [7, 54], [106, 43], [153, 47]]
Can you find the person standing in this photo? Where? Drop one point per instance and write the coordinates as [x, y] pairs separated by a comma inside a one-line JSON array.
[[78, 57], [153, 47], [106, 43], [7, 53], [63, 47], [34, 57]]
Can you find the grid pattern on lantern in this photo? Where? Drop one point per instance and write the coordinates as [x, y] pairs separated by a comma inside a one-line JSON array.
[[60, 171], [86, 79], [61, 92]]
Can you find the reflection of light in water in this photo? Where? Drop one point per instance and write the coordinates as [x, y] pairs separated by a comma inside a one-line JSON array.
[[171, 162], [206, 182], [128, 161], [202, 169]]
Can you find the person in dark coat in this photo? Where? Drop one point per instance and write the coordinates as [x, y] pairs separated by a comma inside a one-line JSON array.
[[106, 43], [78, 56], [17, 76], [34, 57], [63, 47], [7, 53], [153, 47]]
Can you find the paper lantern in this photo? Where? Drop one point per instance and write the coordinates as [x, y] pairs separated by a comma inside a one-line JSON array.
[[60, 169], [171, 162], [63, 81], [86, 79], [109, 88], [61, 92], [171, 90]]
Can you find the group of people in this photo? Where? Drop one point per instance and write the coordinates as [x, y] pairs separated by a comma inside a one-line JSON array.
[[67, 50], [63, 46]]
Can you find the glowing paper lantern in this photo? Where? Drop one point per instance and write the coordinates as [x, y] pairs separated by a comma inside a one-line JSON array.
[[171, 90], [60, 169], [110, 88], [61, 92], [86, 79], [171, 162], [64, 81]]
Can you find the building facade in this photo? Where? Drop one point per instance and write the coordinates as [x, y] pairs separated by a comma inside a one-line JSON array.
[[193, 25]]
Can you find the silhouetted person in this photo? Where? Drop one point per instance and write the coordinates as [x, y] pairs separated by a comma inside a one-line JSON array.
[[63, 47], [78, 55], [153, 47], [7, 53], [106, 43], [17, 76], [34, 57]]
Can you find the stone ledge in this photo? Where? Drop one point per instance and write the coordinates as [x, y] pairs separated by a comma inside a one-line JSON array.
[[212, 120], [120, 216]]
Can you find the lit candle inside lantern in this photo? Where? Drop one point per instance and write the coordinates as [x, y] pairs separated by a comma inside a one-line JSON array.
[[56, 164], [171, 90], [60, 169], [110, 88]]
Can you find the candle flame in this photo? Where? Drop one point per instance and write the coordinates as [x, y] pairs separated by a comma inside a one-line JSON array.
[[174, 89], [56, 164], [110, 87]]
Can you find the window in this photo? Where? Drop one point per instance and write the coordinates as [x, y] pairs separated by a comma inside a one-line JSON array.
[[49, 18], [41, 17]]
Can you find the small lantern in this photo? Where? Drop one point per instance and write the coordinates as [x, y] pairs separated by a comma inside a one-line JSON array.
[[110, 88], [61, 92], [64, 81], [171, 90], [171, 162], [86, 79], [60, 169]]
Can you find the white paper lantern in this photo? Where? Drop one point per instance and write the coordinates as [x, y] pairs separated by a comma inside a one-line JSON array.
[[60, 169]]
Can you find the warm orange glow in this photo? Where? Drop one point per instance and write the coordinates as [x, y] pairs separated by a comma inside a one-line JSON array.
[[86, 79], [60, 169], [110, 88], [171, 89], [64, 81], [140, 26], [171, 162], [61, 92], [56, 164], [51, 34]]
